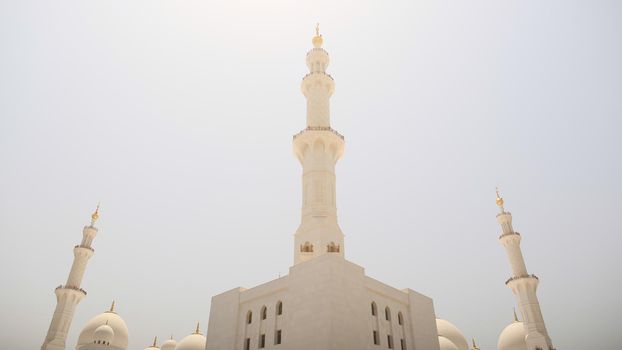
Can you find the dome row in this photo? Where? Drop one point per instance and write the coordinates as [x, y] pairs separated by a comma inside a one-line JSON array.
[[451, 338], [108, 331]]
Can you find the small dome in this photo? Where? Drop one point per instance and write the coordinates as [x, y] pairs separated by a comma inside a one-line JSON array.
[[446, 344], [113, 321], [169, 345], [513, 337], [103, 333], [447, 330], [195, 341]]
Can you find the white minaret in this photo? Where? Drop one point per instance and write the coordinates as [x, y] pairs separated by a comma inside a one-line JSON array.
[[522, 284], [69, 295], [318, 148]]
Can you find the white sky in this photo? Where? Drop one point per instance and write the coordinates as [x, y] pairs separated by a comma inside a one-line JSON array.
[[178, 116]]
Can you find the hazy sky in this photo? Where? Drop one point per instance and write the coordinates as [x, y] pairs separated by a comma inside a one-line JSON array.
[[178, 117]]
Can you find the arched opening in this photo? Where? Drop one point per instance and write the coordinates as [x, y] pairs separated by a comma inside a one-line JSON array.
[[307, 247], [374, 309], [279, 308], [249, 317], [400, 318], [264, 313], [387, 313], [332, 248]]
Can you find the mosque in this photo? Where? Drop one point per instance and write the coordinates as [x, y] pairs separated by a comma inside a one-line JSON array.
[[325, 301]]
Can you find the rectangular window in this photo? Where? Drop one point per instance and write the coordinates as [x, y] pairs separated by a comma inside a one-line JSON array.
[[262, 341], [403, 343], [277, 337], [247, 344], [390, 341], [376, 338]]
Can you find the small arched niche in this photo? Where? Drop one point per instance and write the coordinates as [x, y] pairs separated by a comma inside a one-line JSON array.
[[332, 248], [307, 247]]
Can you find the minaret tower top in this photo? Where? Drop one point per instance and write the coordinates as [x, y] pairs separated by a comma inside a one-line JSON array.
[[522, 284], [317, 86], [318, 148], [70, 294]]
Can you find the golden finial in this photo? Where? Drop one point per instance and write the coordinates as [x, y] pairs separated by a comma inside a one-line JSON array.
[[474, 346], [499, 198], [95, 215], [317, 39], [155, 340], [515, 317], [197, 330], [111, 307]]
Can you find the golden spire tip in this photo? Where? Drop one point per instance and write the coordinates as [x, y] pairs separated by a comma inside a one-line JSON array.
[[499, 198], [317, 39], [111, 307], [95, 215], [515, 316], [155, 340], [197, 330]]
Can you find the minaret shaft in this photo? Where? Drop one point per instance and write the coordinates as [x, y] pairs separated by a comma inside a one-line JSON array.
[[318, 148], [318, 106], [523, 285], [69, 295]]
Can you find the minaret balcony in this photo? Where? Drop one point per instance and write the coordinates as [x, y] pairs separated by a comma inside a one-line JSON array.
[[85, 247], [316, 73], [516, 278], [320, 128], [509, 234], [77, 289], [317, 49]]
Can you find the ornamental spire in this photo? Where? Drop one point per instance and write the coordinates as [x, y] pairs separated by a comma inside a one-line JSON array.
[[112, 307], [155, 342], [474, 346], [499, 200], [197, 331], [95, 215], [515, 316], [317, 39]]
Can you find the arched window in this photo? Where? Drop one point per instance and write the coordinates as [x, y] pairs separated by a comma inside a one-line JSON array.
[[387, 313], [374, 308], [279, 308], [332, 248], [249, 317], [264, 313], [307, 247], [400, 318]]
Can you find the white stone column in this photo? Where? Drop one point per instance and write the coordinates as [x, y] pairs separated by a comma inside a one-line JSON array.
[[318, 148], [69, 295], [522, 284]]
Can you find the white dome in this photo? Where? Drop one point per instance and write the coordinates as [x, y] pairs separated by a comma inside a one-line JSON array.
[[169, 345], [103, 333], [114, 321], [447, 330], [446, 344], [513, 337], [195, 341]]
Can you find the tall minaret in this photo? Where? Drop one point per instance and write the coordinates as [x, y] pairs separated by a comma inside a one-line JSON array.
[[522, 284], [69, 295], [318, 148]]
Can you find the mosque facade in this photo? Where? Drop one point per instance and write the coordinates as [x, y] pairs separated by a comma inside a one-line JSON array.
[[325, 302]]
